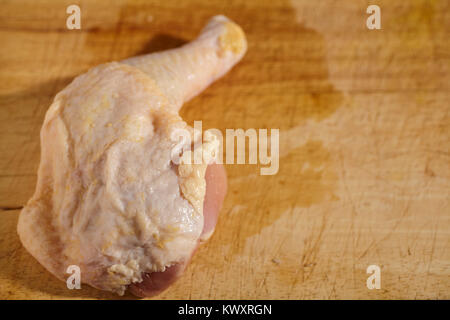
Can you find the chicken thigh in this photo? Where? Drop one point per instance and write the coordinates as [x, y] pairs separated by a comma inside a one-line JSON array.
[[109, 197]]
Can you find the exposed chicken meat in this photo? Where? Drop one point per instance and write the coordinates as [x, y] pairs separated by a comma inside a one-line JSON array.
[[109, 198]]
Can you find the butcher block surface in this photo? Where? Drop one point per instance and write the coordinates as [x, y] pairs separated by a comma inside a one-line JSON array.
[[364, 120]]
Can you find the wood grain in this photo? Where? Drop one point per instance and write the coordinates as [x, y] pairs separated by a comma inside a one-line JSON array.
[[364, 119]]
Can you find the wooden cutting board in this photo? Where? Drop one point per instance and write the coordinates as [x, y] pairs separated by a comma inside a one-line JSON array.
[[364, 120]]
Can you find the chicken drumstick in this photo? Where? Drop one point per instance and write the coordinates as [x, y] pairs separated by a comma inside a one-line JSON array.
[[109, 198]]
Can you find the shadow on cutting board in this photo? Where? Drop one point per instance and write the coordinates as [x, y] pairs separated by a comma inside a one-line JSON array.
[[270, 90]]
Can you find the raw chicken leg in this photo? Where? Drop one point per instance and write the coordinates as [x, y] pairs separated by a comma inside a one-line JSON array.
[[109, 198]]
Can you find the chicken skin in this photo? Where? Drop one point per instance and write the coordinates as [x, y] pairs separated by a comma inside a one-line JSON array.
[[110, 198]]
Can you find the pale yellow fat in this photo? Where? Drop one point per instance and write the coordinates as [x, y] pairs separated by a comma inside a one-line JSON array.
[[233, 38], [192, 176]]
